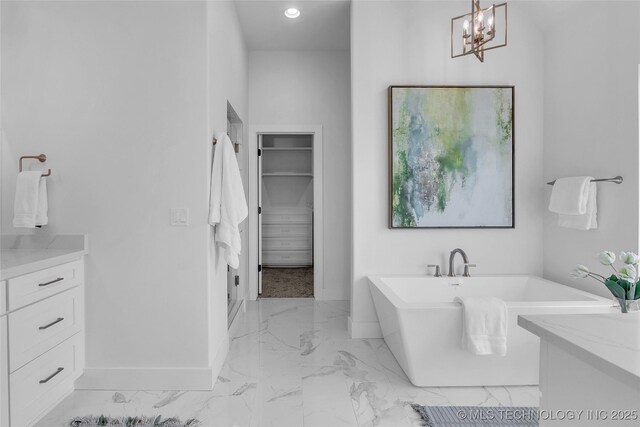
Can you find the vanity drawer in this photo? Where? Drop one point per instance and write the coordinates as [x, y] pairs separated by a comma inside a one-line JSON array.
[[270, 258], [32, 287], [286, 230], [42, 383], [283, 243], [37, 328], [286, 218]]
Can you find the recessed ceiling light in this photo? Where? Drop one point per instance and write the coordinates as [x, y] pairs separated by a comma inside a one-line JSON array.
[[292, 13]]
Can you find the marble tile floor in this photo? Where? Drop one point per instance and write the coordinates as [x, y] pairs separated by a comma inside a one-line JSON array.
[[292, 363]]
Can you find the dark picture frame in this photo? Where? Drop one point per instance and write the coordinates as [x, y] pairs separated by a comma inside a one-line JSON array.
[[451, 157]]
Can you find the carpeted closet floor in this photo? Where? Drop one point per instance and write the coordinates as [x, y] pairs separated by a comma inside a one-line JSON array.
[[287, 282]]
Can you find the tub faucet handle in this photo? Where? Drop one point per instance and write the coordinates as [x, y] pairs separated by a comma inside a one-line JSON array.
[[466, 269], [437, 273]]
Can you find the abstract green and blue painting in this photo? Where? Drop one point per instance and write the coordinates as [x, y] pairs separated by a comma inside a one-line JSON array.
[[451, 154]]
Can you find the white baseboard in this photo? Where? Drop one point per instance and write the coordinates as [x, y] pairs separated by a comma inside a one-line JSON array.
[[334, 295], [364, 329], [223, 351], [146, 379], [157, 378]]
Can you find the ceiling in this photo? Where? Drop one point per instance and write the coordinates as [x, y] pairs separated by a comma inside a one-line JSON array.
[[322, 25]]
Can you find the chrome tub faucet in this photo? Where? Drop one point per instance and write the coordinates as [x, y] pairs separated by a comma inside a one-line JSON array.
[[452, 257]]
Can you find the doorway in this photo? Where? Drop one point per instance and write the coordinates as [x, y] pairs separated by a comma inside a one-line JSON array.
[[287, 193], [286, 201]]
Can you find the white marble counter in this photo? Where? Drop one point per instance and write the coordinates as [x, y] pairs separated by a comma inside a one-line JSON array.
[[25, 254], [16, 262], [608, 342]]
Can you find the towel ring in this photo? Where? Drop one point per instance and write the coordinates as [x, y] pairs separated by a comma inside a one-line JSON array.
[[41, 158]]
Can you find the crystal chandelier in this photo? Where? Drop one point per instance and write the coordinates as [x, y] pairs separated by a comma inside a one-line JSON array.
[[481, 30]]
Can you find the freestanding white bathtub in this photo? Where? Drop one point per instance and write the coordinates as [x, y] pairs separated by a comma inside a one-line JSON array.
[[423, 326]]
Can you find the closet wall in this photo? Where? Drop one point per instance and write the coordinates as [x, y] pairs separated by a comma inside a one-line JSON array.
[[313, 88]]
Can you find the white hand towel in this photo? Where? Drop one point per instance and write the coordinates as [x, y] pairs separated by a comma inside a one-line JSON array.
[[227, 204], [484, 325], [570, 195], [30, 203], [588, 221], [42, 217]]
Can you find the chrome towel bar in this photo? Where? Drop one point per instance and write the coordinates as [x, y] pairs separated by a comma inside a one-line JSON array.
[[616, 180]]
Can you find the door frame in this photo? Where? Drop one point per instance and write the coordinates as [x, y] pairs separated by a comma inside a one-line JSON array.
[[318, 196]]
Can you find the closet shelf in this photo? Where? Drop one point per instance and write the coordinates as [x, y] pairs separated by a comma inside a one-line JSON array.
[[286, 174], [287, 148]]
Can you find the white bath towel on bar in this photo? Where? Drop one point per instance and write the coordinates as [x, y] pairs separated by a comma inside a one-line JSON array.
[[227, 204], [30, 205], [570, 195], [484, 325], [587, 221]]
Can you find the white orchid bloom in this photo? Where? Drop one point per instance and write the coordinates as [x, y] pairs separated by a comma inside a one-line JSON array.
[[606, 257], [628, 272], [629, 258], [580, 272]]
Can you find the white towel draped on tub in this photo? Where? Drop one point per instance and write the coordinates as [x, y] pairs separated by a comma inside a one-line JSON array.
[[574, 200], [484, 325], [227, 204], [30, 204]]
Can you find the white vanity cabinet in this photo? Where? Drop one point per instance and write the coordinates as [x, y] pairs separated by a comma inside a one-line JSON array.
[[44, 331], [589, 368]]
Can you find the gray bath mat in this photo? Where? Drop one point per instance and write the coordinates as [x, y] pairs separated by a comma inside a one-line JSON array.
[[477, 416], [102, 420]]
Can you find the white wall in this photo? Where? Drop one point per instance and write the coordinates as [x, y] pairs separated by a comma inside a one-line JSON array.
[[228, 81], [413, 47], [309, 88], [591, 128], [123, 97]]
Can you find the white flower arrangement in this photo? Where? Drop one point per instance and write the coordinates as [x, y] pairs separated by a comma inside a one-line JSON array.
[[624, 283]]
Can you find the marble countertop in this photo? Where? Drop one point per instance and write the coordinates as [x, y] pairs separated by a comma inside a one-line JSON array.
[[609, 342], [26, 254], [16, 262]]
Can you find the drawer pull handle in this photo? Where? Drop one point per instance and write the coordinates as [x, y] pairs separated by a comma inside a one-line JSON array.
[[59, 279], [46, 380], [58, 320]]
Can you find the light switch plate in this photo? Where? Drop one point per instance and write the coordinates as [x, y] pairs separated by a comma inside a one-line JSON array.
[[179, 217]]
